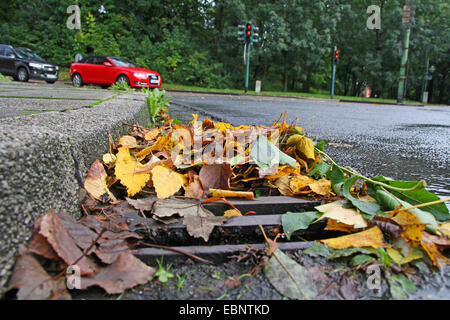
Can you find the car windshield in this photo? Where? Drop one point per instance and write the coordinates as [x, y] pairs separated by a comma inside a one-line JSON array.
[[27, 53], [122, 62]]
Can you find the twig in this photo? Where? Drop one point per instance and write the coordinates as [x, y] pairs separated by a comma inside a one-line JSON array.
[[190, 255], [421, 205]]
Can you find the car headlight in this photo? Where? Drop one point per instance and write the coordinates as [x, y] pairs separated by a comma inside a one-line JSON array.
[[36, 65], [140, 75]]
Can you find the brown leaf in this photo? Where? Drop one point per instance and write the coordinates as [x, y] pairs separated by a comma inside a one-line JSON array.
[[33, 282], [39, 244], [387, 225], [126, 272], [144, 204], [53, 229], [194, 190], [201, 226], [95, 183], [216, 176]]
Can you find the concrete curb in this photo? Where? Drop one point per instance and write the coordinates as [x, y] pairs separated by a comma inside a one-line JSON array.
[[43, 161]]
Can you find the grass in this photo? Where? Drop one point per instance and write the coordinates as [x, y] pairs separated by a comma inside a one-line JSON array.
[[4, 78], [169, 87]]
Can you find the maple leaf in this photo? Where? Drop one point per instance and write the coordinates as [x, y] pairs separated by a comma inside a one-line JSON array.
[[166, 181], [127, 170]]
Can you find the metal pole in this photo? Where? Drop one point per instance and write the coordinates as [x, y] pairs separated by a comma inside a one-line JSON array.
[[333, 72], [247, 67]]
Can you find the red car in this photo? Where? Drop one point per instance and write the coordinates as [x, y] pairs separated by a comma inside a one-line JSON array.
[[107, 70]]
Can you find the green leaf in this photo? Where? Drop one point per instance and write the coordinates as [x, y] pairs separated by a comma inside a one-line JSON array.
[[405, 285], [266, 155], [303, 287], [366, 207], [336, 175], [383, 257], [293, 221], [360, 259], [440, 211], [320, 145], [319, 170], [318, 249], [350, 251]]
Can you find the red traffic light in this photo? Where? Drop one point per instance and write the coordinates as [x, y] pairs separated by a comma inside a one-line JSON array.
[[336, 54], [249, 29]]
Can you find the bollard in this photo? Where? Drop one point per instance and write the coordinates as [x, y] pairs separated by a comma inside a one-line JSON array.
[[258, 86]]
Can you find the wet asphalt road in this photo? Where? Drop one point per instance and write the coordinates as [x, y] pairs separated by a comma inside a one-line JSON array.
[[400, 142]]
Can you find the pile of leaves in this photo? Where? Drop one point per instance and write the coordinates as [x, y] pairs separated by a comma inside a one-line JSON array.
[[396, 222]]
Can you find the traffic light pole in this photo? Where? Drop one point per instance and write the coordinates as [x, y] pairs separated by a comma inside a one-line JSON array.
[[333, 72], [247, 65]]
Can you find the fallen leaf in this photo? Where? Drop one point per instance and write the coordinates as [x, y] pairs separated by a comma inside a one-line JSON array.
[[232, 213], [339, 226], [299, 183], [39, 244], [372, 237], [283, 185], [217, 193], [144, 204], [108, 158], [33, 282], [53, 229], [347, 216], [412, 226], [194, 190], [201, 226], [126, 272], [445, 228], [163, 143], [293, 221], [126, 170], [215, 176], [302, 288], [321, 187], [95, 183], [166, 182], [152, 134], [387, 225], [336, 211], [399, 259]]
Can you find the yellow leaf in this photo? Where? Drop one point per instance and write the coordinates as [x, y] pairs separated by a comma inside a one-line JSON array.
[[232, 213], [152, 134], [306, 146], [127, 142], [412, 226], [283, 171], [347, 216], [126, 170], [436, 257], [108, 158], [95, 183], [282, 184], [322, 187], [398, 258], [445, 228], [166, 181], [299, 183], [163, 143], [372, 237]]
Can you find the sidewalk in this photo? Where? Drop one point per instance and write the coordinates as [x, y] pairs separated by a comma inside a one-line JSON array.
[[49, 137]]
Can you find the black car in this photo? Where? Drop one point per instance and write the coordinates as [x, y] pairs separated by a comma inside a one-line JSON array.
[[23, 64]]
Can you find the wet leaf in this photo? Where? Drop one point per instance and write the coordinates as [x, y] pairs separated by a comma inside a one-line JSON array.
[[215, 176], [411, 225], [232, 213], [266, 155], [302, 288], [445, 228], [293, 221], [127, 170], [398, 258], [95, 183], [303, 145], [319, 170], [53, 229], [321, 187], [360, 259], [366, 207], [400, 285], [372, 237], [387, 225], [347, 216], [33, 282], [126, 272], [166, 182], [127, 142]]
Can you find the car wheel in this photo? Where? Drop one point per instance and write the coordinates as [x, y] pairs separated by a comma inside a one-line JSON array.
[[105, 86], [50, 82], [77, 80], [123, 79], [22, 75]]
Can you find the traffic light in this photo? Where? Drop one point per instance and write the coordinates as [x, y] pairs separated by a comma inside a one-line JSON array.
[[336, 55], [255, 35], [248, 33], [241, 32]]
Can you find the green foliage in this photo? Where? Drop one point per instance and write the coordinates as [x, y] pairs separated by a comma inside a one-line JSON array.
[[194, 42], [163, 273], [121, 86], [157, 104], [4, 78]]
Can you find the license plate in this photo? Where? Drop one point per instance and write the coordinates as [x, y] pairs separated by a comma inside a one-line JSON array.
[[51, 76], [154, 81]]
